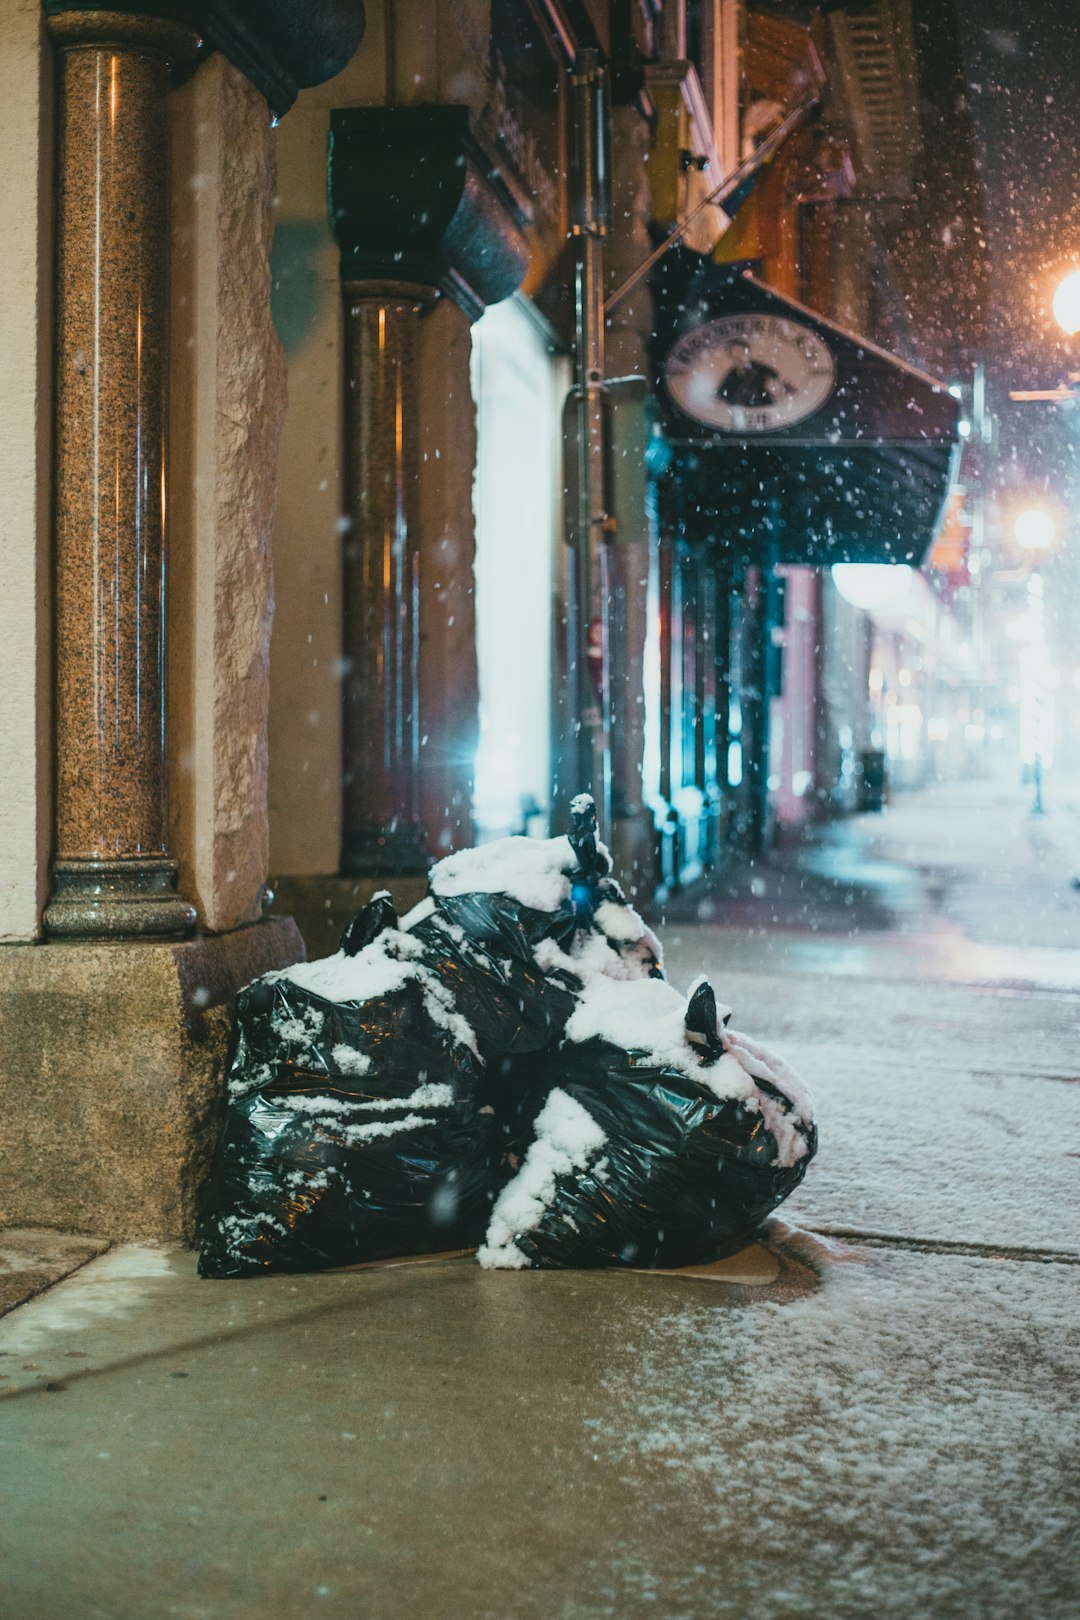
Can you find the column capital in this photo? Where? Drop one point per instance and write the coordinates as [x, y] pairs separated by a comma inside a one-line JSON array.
[[171, 37], [282, 46], [415, 198]]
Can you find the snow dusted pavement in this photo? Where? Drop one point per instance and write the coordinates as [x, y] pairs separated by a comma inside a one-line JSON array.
[[881, 1419], [929, 992], [947, 1113], [440, 1440]]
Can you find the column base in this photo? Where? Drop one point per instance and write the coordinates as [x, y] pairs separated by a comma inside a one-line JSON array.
[[385, 851], [117, 899], [112, 1076]]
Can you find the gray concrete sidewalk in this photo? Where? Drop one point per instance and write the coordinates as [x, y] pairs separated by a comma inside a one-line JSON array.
[[879, 1415]]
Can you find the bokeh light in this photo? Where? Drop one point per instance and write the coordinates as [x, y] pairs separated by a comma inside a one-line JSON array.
[[1035, 529], [1066, 304]]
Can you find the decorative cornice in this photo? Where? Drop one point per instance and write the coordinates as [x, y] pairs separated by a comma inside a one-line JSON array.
[[280, 45], [413, 197]]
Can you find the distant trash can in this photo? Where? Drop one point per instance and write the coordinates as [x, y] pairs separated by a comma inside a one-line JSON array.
[[872, 779]]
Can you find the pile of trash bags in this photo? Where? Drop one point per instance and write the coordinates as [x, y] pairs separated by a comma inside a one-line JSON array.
[[507, 1069]]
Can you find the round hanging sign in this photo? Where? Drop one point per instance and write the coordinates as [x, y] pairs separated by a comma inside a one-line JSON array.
[[750, 373]]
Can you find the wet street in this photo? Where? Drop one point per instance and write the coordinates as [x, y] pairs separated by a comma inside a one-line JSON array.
[[958, 883], [922, 967], [872, 1413]]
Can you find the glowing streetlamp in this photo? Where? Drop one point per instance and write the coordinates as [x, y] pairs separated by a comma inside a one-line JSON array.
[[1036, 531], [1066, 303], [1034, 528]]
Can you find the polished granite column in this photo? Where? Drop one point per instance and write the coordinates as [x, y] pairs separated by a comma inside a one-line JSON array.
[[382, 832], [112, 868]]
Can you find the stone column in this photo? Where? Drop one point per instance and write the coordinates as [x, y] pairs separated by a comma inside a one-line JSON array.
[[381, 830], [449, 676], [112, 867], [632, 835], [421, 218]]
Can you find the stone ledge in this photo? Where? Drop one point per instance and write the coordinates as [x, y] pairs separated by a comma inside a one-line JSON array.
[[32, 1261], [111, 1076]]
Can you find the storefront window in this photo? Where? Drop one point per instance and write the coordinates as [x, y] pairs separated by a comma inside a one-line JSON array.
[[518, 384]]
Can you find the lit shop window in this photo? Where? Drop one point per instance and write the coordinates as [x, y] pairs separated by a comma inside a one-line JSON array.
[[517, 386]]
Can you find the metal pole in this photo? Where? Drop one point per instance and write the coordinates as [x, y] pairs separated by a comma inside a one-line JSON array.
[[749, 166], [769, 666], [590, 210]]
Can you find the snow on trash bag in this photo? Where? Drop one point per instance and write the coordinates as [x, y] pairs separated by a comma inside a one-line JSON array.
[[353, 1130], [508, 926], [666, 1140], [502, 921], [376, 1097]]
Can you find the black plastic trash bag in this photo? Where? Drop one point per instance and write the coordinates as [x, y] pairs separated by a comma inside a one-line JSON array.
[[665, 1142], [513, 953], [377, 1099], [506, 1064], [353, 1129]]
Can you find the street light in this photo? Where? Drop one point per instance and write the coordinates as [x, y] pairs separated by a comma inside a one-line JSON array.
[[1066, 303], [1035, 531], [1035, 528]]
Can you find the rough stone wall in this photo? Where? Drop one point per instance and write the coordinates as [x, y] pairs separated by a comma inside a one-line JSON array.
[[227, 406], [414, 51], [26, 206], [306, 647]]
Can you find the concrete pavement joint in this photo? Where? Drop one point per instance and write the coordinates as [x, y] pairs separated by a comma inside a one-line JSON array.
[[974, 1251]]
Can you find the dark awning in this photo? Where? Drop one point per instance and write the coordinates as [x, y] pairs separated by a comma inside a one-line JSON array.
[[785, 423]]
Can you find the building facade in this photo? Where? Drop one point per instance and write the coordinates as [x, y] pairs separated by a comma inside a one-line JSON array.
[[715, 677], [352, 509]]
